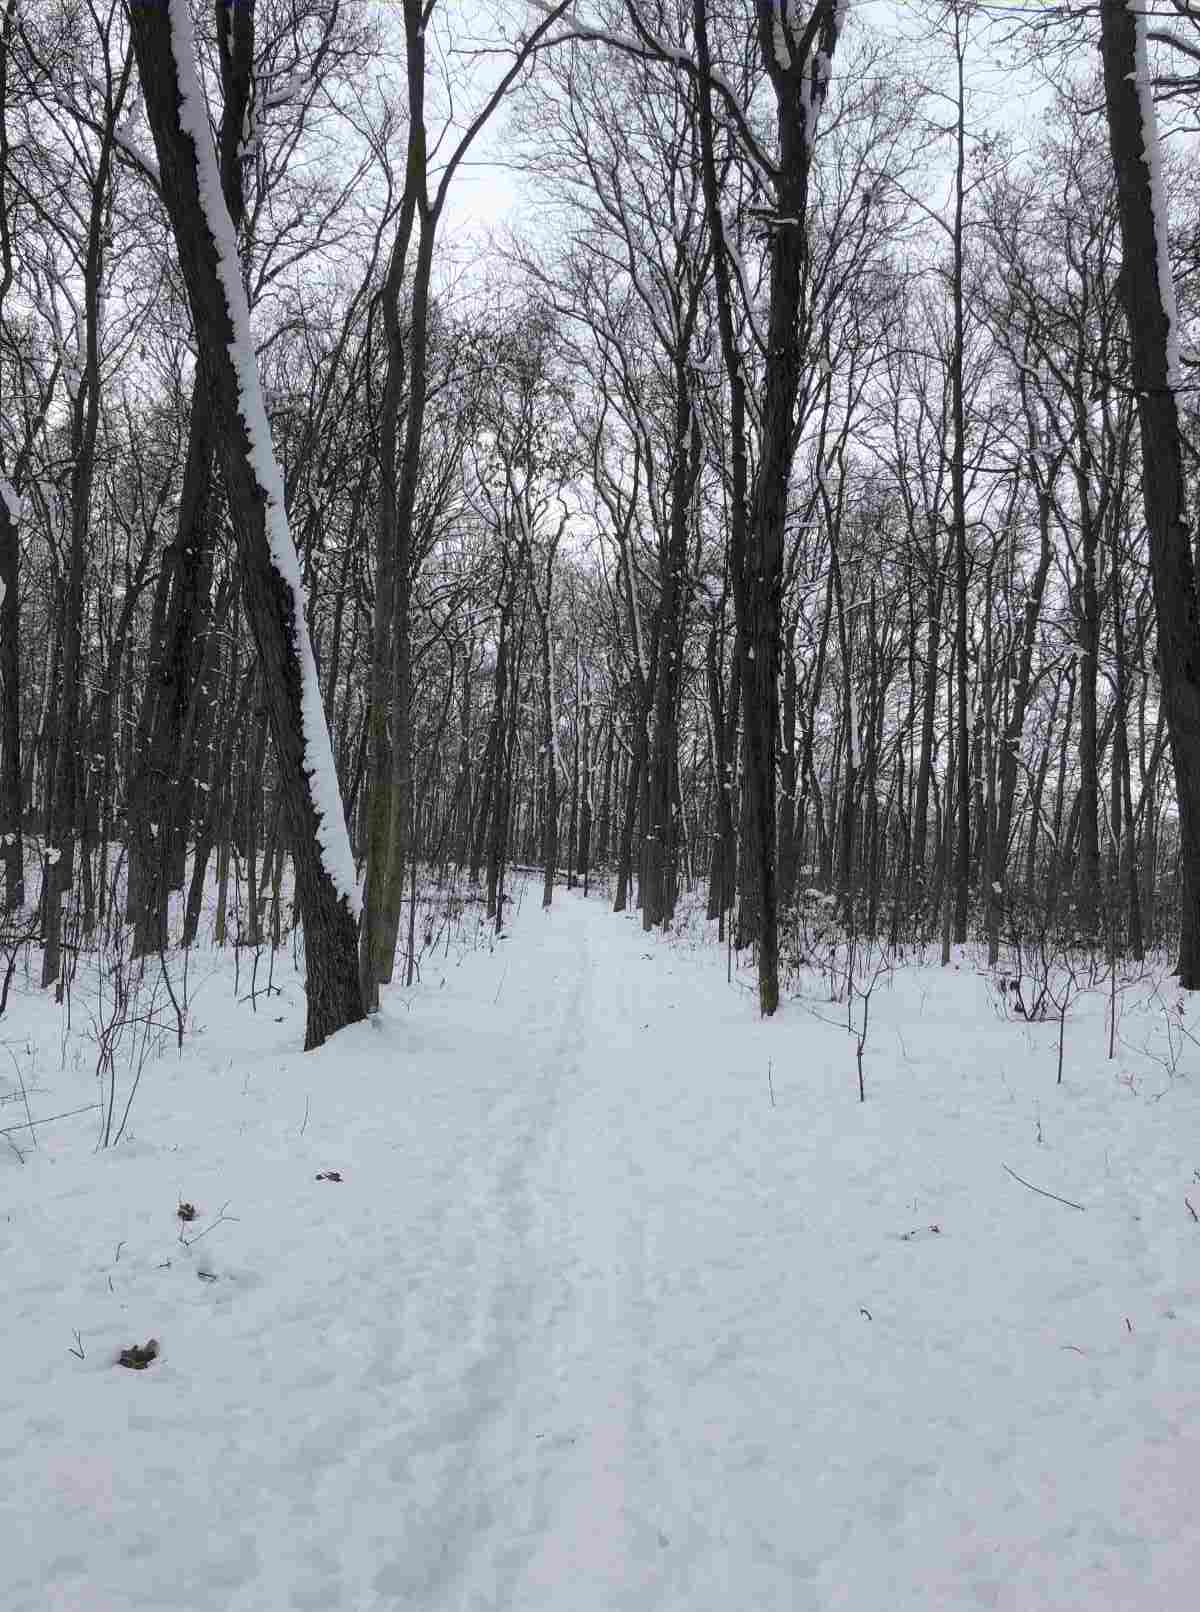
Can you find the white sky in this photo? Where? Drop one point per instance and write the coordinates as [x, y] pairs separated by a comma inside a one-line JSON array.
[[487, 194]]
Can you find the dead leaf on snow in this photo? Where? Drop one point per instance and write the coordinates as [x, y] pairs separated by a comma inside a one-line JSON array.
[[138, 1356]]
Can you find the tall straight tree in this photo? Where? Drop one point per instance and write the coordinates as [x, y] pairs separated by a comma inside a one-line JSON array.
[[86, 242], [11, 506], [401, 430], [208, 259], [1152, 317], [959, 20], [797, 52]]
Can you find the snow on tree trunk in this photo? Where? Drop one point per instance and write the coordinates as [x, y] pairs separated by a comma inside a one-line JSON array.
[[332, 835], [1151, 154], [326, 885]]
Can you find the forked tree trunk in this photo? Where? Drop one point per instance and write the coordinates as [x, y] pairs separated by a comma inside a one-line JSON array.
[[161, 795], [273, 608], [797, 53]]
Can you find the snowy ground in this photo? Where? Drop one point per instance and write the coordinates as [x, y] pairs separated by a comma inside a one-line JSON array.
[[590, 1324]]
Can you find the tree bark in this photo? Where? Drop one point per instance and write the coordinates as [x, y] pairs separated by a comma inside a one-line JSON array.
[[334, 997], [10, 712], [799, 75], [10, 615], [1146, 285]]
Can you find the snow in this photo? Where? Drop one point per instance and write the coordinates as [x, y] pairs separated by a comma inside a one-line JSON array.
[[623, 1300], [729, 236], [822, 69], [810, 102], [128, 142], [783, 55], [336, 856], [286, 91], [1152, 152], [635, 614]]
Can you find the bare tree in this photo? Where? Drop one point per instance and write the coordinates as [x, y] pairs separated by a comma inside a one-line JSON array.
[[1152, 320], [208, 259], [422, 206]]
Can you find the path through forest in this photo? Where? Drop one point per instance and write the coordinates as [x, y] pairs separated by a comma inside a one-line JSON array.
[[600, 1317]]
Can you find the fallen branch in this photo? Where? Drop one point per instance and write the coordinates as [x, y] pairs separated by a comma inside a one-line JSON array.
[[1042, 1193], [28, 1124]]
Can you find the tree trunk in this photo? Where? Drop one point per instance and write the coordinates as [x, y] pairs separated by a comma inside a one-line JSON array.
[[799, 75], [962, 854], [789, 775], [274, 606], [10, 709], [1150, 314]]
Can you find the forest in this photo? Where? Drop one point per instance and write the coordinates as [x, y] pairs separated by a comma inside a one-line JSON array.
[[789, 507], [599, 805]]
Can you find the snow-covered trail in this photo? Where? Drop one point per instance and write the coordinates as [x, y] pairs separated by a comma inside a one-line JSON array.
[[536, 1481], [592, 1325]]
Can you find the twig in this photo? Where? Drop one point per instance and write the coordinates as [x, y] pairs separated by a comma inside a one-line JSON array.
[[770, 1083], [1190, 1210], [1043, 1194], [179, 1013], [304, 1124], [220, 1220], [77, 1351], [28, 1125], [24, 1092]]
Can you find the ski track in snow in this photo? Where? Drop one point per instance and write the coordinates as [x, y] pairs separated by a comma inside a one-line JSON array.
[[583, 1327]]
